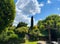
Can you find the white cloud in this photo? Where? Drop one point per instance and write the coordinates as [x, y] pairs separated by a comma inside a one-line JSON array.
[[25, 8], [58, 9], [28, 7], [21, 18], [41, 5], [48, 1]]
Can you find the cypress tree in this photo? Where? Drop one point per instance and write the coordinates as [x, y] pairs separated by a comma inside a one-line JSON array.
[[32, 22]]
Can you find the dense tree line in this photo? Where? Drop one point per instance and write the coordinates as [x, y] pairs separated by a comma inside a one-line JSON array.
[[52, 22], [16, 35], [41, 30]]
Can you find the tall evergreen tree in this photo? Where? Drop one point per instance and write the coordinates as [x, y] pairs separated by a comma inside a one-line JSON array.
[[31, 22], [7, 13]]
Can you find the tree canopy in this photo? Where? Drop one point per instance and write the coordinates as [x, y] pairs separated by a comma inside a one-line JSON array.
[[52, 22], [7, 13], [21, 24]]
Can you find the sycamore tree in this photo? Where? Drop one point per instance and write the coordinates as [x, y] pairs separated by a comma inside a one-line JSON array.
[[54, 23], [51, 22], [7, 13]]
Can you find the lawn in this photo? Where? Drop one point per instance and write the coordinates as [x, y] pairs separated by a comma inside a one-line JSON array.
[[28, 42]]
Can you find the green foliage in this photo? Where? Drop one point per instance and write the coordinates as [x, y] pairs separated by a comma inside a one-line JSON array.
[[7, 13], [11, 28], [7, 37], [7, 34], [21, 24], [42, 29], [21, 31], [41, 25], [51, 22], [34, 33]]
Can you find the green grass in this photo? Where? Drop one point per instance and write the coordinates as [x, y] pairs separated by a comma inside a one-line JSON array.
[[28, 42]]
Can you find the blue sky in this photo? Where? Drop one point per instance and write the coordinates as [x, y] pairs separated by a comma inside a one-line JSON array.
[[40, 9], [49, 8]]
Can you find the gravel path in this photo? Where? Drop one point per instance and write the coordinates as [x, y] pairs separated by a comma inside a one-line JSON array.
[[42, 42]]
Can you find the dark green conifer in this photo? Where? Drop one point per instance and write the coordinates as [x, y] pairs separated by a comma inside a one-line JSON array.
[[32, 22]]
